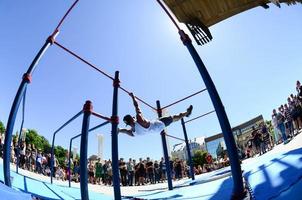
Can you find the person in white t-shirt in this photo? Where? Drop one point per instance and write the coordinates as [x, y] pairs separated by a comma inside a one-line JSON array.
[[141, 126]]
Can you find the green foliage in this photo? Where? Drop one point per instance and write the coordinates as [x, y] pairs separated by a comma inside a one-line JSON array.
[[199, 158], [60, 153], [269, 125], [40, 142], [2, 128]]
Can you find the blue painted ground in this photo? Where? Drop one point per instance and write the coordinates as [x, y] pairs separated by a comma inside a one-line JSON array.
[[45, 190], [271, 176]]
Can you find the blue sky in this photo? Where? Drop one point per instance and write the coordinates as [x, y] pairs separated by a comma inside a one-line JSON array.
[[254, 60]]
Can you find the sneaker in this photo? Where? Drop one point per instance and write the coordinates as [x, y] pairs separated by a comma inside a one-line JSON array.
[[189, 111]]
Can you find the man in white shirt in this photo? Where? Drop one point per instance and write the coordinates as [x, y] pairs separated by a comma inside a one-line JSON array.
[[141, 126]]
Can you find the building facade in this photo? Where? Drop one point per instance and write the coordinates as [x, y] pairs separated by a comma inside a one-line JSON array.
[[180, 151], [215, 144]]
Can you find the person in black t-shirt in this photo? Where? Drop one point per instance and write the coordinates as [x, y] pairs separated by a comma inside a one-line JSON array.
[[150, 170]]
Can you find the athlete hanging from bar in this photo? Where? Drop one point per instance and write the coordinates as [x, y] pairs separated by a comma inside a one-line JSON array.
[[140, 126]]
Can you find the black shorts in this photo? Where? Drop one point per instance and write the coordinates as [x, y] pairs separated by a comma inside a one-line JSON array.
[[166, 120], [91, 174]]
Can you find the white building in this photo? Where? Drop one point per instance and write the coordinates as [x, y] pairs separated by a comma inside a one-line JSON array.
[[180, 150]]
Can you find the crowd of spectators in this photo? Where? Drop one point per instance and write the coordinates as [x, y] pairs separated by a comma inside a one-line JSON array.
[[286, 121]]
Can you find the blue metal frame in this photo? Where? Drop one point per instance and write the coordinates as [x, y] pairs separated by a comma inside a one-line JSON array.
[[14, 110], [53, 143], [83, 151], [165, 148], [114, 139], [70, 145], [238, 189], [188, 149], [21, 127]]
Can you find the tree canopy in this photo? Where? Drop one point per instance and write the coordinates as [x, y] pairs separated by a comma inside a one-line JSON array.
[[2, 128], [199, 158]]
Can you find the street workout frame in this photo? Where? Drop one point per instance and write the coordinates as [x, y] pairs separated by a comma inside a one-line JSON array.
[[238, 189]]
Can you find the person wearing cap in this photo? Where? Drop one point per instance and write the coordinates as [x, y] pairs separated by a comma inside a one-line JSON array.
[[141, 126]]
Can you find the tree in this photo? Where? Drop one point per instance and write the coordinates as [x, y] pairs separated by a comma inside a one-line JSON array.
[[60, 153], [199, 157], [2, 128]]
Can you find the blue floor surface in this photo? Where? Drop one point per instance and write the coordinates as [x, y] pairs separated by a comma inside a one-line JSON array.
[[47, 191], [271, 176]]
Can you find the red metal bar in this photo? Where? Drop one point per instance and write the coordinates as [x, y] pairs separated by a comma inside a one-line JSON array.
[[168, 13], [101, 116], [97, 69], [138, 99], [200, 116], [184, 98], [63, 18], [83, 60], [177, 138]]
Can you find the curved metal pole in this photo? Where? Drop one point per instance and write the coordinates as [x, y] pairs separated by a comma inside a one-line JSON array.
[[114, 139], [83, 151], [70, 145], [188, 149], [13, 112], [165, 149], [21, 127], [53, 143], [238, 190]]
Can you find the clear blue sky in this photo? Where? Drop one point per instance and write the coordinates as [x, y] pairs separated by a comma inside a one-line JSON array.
[[254, 60]]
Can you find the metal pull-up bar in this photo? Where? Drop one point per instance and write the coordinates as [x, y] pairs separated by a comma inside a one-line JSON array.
[[17, 100], [200, 116], [99, 70], [174, 137], [53, 142], [70, 145], [184, 98]]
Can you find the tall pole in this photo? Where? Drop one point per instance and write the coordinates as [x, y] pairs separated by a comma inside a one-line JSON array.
[[20, 133], [69, 156], [13, 112], [188, 148], [165, 148], [83, 151], [114, 139], [70, 146], [238, 190]]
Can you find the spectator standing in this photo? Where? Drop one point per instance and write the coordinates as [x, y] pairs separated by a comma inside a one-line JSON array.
[[281, 127], [288, 121], [123, 171], [150, 170], [130, 169], [163, 170], [156, 172], [98, 171]]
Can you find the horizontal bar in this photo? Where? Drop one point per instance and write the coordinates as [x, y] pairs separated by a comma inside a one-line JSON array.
[[63, 18], [177, 138], [74, 117], [101, 116], [99, 126], [184, 98], [97, 69], [139, 99], [200, 116], [83, 60]]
